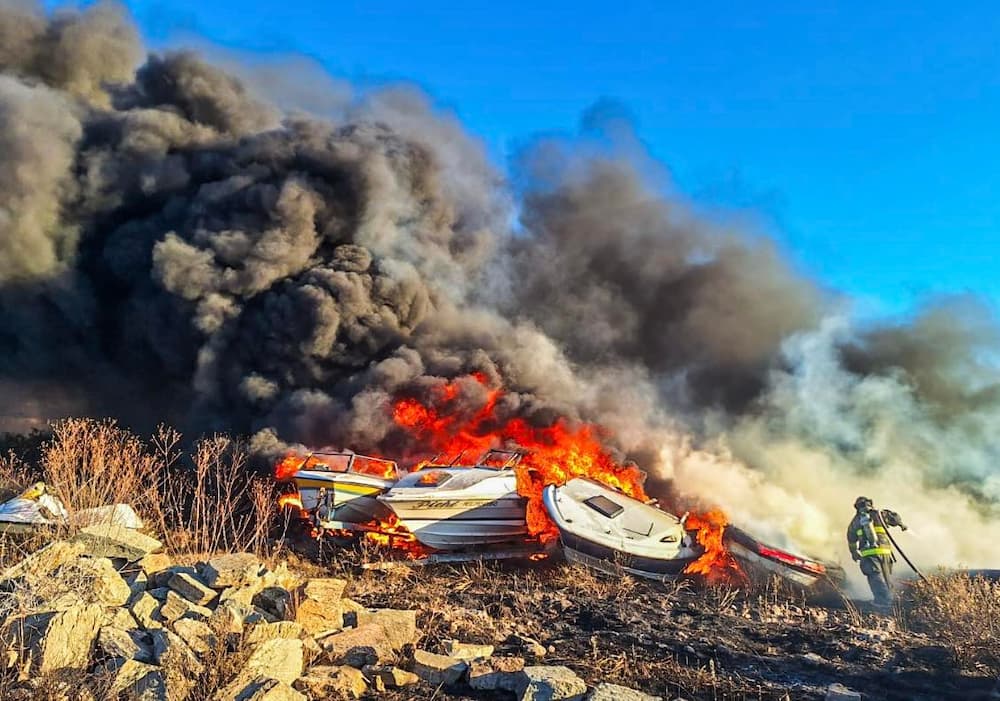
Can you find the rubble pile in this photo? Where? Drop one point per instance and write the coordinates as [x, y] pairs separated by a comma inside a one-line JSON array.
[[111, 607]]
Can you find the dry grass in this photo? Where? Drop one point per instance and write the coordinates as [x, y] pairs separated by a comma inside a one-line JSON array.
[[202, 501], [963, 612]]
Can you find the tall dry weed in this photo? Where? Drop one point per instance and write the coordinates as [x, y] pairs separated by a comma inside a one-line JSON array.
[[964, 612], [203, 500]]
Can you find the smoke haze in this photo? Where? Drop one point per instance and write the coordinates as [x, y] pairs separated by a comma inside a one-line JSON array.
[[182, 245]]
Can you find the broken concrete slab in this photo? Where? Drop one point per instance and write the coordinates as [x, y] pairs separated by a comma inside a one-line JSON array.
[[170, 650], [55, 640], [438, 669], [269, 690], [550, 683], [400, 625], [317, 605], [192, 589], [160, 579], [146, 610], [112, 515], [135, 680], [126, 644], [44, 561], [496, 673], [327, 681], [274, 600], [176, 606], [287, 630], [467, 651], [278, 659], [614, 692], [232, 570], [95, 581], [386, 677], [357, 647], [155, 562], [108, 540], [197, 635]]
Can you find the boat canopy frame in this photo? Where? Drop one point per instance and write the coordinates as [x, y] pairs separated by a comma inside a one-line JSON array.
[[352, 460]]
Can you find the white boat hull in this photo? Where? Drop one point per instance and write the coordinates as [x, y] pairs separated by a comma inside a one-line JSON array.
[[460, 508], [454, 524]]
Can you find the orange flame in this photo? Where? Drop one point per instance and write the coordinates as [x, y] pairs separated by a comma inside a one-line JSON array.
[[286, 468], [391, 533], [716, 563], [292, 501], [553, 454]]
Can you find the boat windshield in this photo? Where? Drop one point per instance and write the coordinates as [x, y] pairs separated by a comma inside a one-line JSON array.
[[500, 459], [352, 462]]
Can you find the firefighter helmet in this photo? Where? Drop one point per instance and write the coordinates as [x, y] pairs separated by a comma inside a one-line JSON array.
[[863, 503]]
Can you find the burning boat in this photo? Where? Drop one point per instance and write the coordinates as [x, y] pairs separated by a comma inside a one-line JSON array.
[[803, 571], [454, 507], [612, 532], [338, 488]]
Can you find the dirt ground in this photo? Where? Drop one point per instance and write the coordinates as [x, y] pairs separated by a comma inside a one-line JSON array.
[[675, 640]]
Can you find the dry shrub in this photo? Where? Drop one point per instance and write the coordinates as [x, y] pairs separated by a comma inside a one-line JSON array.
[[203, 502], [962, 611], [217, 504]]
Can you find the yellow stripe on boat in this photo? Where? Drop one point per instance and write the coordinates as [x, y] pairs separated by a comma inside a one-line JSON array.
[[356, 489]]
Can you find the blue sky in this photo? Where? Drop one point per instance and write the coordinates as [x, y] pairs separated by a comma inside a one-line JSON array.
[[865, 135]]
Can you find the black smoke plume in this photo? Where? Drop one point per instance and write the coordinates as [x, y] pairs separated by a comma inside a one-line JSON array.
[[174, 246]]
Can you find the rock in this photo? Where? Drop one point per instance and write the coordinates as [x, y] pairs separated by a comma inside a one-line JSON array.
[[317, 605], [197, 635], [388, 677], [438, 669], [59, 640], [272, 659], [233, 570], [161, 578], [176, 606], [126, 644], [322, 682], [136, 680], [496, 673], [839, 692], [364, 645], [96, 581], [614, 692], [108, 540], [155, 562], [169, 650], [240, 595], [227, 618], [43, 562], [270, 690], [400, 625], [354, 613], [466, 651], [528, 646], [281, 577], [274, 600], [112, 515], [146, 610], [191, 589], [549, 683], [120, 618], [282, 630]]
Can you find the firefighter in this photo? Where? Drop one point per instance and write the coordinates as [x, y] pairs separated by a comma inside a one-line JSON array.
[[870, 545]]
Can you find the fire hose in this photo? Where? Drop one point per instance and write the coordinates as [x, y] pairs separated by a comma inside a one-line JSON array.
[[903, 555]]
